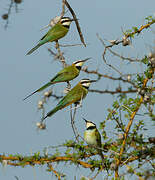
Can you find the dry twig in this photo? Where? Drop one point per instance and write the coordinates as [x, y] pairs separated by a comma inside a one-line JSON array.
[[76, 22]]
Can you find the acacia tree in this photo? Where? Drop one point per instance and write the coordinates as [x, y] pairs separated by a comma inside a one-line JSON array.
[[129, 153]]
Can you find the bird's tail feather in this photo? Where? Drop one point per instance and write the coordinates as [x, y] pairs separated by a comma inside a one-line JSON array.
[[33, 49], [103, 160], [53, 111], [38, 90]]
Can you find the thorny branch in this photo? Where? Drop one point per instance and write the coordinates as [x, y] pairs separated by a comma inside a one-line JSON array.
[[57, 174], [126, 36], [9, 12], [16, 160], [125, 42], [118, 161], [32, 161], [60, 55], [103, 56], [112, 92], [122, 57], [108, 77], [7, 15]]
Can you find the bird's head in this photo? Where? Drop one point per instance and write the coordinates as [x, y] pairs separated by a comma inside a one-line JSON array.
[[89, 124], [66, 21], [86, 83], [78, 64]]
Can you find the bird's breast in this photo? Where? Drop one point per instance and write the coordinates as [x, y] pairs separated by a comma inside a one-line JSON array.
[[90, 137]]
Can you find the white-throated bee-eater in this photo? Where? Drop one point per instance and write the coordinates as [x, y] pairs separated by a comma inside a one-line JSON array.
[[93, 138], [92, 135], [75, 95], [57, 32], [65, 75]]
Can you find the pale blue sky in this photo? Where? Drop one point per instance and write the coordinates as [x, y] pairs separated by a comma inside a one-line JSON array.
[[22, 74]]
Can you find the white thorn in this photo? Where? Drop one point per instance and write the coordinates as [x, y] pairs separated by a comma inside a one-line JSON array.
[[40, 104]]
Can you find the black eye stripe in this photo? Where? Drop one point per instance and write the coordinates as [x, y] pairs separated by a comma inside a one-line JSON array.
[[91, 127], [66, 26], [78, 67], [63, 21], [83, 82]]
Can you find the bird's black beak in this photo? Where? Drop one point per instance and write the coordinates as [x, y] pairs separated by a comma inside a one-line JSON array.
[[85, 120], [93, 81], [84, 60]]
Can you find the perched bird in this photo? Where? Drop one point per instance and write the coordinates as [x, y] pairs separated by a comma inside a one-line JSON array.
[[57, 32], [65, 75], [92, 135], [75, 95], [93, 138]]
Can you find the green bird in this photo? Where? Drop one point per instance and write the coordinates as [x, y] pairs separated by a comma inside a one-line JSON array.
[[57, 32], [92, 135], [93, 138], [65, 75], [75, 95]]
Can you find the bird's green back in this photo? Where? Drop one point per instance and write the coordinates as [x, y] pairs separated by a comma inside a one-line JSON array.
[[56, 32], [98, 138], [66, 74], [75, 95]]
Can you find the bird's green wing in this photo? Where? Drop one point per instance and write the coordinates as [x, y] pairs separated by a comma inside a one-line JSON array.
[[70, 98], [98, 136], [67, 74], [75, 95], [64, 75], [55, 33]]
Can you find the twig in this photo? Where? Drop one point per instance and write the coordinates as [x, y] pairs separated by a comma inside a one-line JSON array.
[[127, 35], [112, 92], [73, 122], [63, 9], [16, 177], [122, 57], [58, 175], [139, 177], [69, 45], [120, 124], [103, 55], [9, 12], [60, 54], [96, 174], [140, 29], [76, 22], [52, 53], [56, 97], [107, 76]]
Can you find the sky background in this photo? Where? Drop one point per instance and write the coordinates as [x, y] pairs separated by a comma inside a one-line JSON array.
[[20, 74]]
